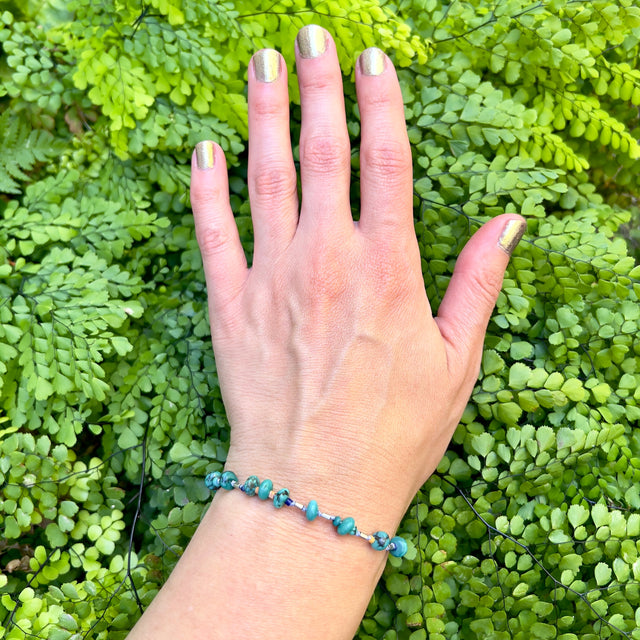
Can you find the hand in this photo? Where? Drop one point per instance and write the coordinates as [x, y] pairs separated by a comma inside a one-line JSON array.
[[338, 382], [335, 376]]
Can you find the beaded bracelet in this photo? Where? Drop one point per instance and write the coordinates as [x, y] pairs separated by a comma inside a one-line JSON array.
[[264, 490]]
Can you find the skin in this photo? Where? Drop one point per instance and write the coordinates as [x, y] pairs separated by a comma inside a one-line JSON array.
[[338, 381]]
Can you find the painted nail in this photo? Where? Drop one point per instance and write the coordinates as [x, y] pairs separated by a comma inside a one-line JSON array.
[[511, 234], [372, 62], [312, 41], [266, 64], [205, 155]]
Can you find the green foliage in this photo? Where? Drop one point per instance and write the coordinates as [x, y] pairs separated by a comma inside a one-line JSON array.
[[21, 150], [108, 391]]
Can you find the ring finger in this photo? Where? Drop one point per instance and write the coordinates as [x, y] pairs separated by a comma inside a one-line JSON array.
[[324, 140]]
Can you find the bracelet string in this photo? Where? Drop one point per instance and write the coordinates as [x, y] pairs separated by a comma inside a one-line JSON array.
[[252, 486]]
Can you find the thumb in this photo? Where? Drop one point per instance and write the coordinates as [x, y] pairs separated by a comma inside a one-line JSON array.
[[474, 287]]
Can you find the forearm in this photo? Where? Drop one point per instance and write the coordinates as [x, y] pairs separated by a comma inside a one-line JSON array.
[[252, 571]]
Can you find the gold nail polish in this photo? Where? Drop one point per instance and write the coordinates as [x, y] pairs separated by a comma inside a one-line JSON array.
[[511, 234], [205, 156], [312, 41], [372, 62], [266, 64]]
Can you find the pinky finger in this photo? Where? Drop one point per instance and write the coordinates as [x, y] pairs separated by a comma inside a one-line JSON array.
[[225, 265]]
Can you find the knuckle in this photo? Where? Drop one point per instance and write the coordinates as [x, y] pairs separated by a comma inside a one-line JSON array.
[[382, 101], [327, 274], [273, 182], [269, 110], [388, 161], [390, 273], [212, 239], [486, 285], [206, 197], [318, 83], [325, 154], [325, 287]]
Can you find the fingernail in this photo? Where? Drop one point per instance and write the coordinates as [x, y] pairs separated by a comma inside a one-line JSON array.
[[266, 64], [205, 156], [511, 234], [312, 41], [372, 61]]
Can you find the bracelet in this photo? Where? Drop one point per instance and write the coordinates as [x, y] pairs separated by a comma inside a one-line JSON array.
[[264, 490]]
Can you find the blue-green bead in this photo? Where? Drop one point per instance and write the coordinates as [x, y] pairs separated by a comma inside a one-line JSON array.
[[312, 510], [400, 547], [347, 526], [212, 480], [265, 489], [381, 541], [227, 478], [280, 498], [251, 485], [336, 521]]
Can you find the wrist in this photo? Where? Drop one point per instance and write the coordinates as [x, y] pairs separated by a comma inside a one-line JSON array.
[[339, 488], [281, 498]]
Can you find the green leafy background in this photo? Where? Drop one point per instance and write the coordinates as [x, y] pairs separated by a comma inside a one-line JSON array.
[[110, 411]]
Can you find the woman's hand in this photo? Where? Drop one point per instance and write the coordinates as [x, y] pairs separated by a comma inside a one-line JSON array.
[[337, 381]]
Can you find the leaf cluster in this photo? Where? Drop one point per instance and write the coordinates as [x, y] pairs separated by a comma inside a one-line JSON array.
[[110, 407]]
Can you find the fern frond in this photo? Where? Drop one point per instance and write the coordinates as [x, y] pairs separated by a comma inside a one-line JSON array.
[[22, 149]]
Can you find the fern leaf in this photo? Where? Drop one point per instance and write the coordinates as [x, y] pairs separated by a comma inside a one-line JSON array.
[[22, 149]]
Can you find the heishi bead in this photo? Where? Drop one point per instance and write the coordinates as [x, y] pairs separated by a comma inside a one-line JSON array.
[[212, 480], [312, 510], [400, 547], [265, 489], [347, 526], [251, 485], [336, 521], [380, 540], [227, 480], [280, 498]]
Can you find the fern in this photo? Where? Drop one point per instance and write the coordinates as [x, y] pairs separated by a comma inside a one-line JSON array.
[[109, 395], [22, 149]]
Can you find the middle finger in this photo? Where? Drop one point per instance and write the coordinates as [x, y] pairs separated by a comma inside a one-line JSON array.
[[324, 139]]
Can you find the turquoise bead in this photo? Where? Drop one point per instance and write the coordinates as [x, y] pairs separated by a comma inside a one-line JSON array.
[[280, 498], [227, 478], [212, 480], [400, 547], [347, 526], [265, 489], [381, 541], [312, 510], [251, 485], [336, 521]]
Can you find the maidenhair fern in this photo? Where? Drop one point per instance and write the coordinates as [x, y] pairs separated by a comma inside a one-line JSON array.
[[110, 409], [22, 149]]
